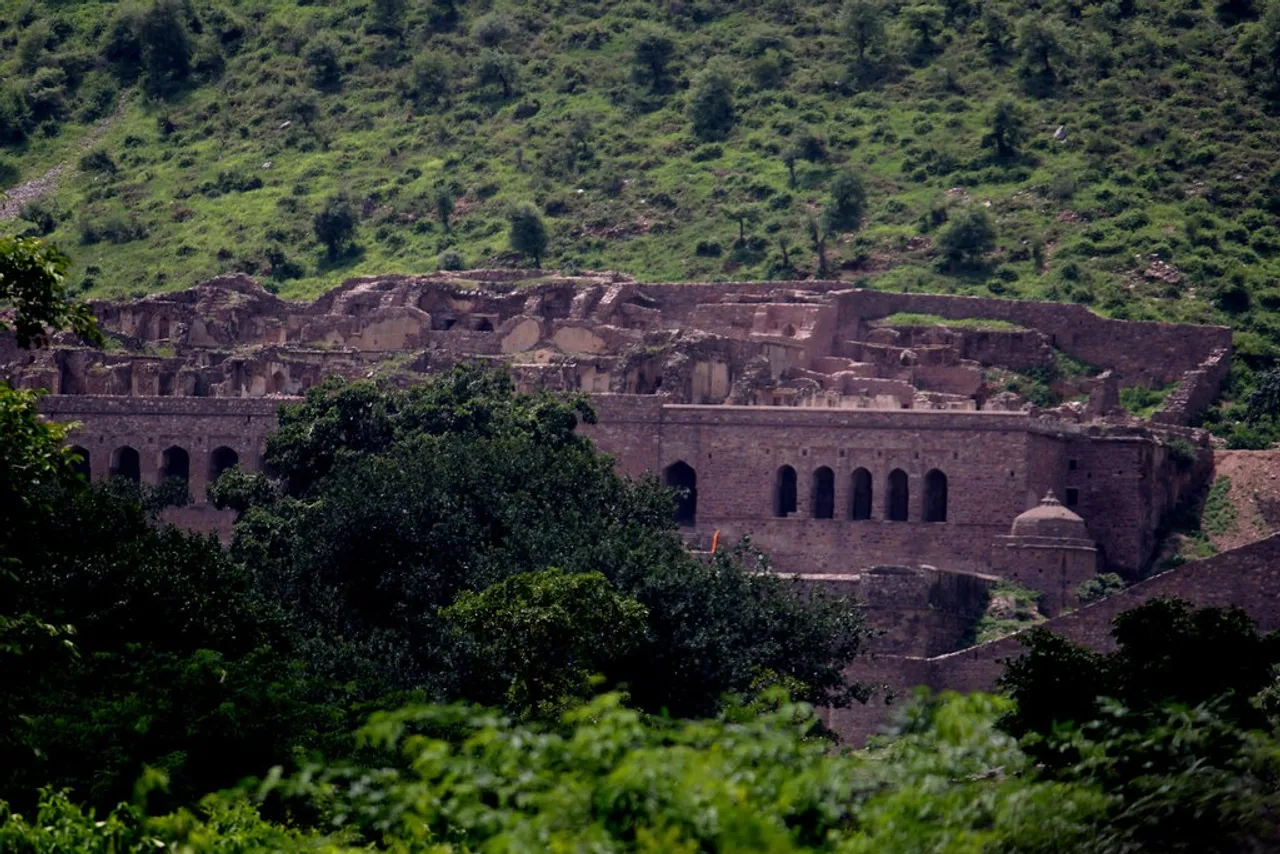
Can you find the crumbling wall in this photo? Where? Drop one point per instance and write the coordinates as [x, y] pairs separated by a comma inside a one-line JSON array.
[[1150, 353]]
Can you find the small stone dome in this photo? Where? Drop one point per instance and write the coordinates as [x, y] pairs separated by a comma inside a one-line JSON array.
[[1050, 519]]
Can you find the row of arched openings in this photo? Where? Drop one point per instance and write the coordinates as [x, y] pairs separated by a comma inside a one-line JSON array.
[[822, 495], [681, 477], [175, 463]]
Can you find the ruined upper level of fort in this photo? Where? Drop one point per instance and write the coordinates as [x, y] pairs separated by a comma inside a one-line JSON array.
[[814, 344]]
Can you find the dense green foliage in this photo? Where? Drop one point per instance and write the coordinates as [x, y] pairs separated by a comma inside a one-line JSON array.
[[605, 778], [1166, 653], [391, 503], [33, 287], [400, 554]]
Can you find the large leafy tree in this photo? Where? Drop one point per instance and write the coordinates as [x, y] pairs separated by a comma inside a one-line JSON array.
[[390, 504], [34, 298]]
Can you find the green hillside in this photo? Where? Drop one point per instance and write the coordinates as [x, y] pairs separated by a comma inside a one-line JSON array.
[[687, 139]]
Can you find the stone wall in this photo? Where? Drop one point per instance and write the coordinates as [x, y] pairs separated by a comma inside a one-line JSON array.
[[211, 433], [1247, 577], [1151, 353]]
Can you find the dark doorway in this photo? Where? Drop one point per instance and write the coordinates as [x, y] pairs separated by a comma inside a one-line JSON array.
[[125, 463], [784, 492], [176, 464], [81, 466], [860, 497], [681, 477], [899, 498], [220, 460], [822, 494], [935, 496]]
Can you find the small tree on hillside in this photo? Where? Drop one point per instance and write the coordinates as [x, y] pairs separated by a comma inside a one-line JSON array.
[[968, 236], [1008, 129], [335, 224], [711, 106], [385, 16], [497, 68], [653, 53], [818, 237], [444, 203], [925, 21], [166, 44], [429, 78], [743, 215], [528, 232], [324, 60], [847, 203], [862, 24], [1040, 45]]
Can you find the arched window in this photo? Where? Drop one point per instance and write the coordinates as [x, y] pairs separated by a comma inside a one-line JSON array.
[[860, 497], [935, 496], [784, 492], [681, 476], [822, 494], [220, 460], [896, 509], [176, 463], [279, 384], [126, 463], [484, 325], [81, 466]]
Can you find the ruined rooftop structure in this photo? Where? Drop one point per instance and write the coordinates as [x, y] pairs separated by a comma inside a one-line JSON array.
[[911, 448]]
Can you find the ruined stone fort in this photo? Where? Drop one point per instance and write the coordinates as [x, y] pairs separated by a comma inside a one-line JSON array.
[[909, 448]]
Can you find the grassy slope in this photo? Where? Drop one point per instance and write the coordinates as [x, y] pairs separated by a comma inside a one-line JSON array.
[[1171, 132]]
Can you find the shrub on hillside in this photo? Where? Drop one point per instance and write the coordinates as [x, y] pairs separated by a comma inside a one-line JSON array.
[[711, 109], [846, 203], [335, 224], [968, 236]]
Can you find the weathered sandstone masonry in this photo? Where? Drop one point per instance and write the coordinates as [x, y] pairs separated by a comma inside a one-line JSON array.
[[807, 415]]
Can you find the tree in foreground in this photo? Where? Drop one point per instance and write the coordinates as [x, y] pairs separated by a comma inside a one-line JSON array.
[[33, 289], [528, 234], [391, 504], [1176, 727]]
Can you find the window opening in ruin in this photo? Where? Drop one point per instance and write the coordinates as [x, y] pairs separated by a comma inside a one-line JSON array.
[[935, 496], [1073, 497], [860, 497], [279, 382], [822, 494], [443, 324], [681, 476], [484, 325], [898, 496], [81, 466], [789, 331], [126, 463], [176, 464], [784, 492], [220, 460], [1071, 465]]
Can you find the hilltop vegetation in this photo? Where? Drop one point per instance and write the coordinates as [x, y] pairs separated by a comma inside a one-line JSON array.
[[909, 143]]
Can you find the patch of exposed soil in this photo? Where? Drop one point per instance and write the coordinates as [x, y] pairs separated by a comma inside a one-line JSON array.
[[15, 198], [1255, 493]]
